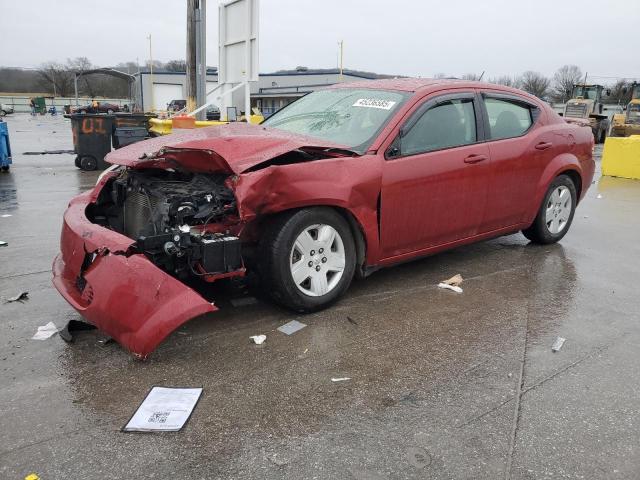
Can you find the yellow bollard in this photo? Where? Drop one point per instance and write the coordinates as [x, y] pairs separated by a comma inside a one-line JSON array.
[[621, 157]]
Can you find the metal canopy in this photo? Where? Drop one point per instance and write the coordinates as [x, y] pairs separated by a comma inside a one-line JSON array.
[[105, 71]]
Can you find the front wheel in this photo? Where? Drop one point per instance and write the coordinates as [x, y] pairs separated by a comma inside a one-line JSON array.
[[555, 214], [307, 258], [2, 113]]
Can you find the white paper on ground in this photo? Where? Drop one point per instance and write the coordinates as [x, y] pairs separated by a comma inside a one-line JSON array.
[[164, 410], [450, 287], [258, 339], [341, 379], [292, 327], [45, 331]]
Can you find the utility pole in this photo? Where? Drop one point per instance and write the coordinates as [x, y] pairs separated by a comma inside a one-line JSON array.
[[201, 58], [153, 107], [341, 43], [191, 57]]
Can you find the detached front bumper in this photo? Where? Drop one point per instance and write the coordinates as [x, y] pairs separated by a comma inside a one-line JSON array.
[[123, 294]]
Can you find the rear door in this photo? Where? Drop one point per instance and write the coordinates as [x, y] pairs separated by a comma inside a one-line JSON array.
[[519, 149], [435, 177]]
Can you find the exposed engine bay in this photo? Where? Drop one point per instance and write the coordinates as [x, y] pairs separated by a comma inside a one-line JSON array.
[[179, 220]]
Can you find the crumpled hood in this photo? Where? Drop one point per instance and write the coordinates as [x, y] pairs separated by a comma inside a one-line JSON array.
[[232, 148]]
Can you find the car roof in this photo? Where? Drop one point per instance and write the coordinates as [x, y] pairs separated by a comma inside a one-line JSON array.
[[421, 84]]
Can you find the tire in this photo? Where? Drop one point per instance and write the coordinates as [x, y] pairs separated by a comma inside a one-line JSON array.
[[88, 163], [2, 113], [5, 168], [559, 208], [322, 277], [77, 162]]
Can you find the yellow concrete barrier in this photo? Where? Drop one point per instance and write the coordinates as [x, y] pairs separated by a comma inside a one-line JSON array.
[[163, 126], [621, 157]]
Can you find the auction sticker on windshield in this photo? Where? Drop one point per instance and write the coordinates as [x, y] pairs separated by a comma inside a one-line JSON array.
[[374, 103]]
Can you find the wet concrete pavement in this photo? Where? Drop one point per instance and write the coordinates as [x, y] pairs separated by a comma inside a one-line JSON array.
[[443, 385]]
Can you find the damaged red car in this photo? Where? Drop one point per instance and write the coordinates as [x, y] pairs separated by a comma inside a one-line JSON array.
[[343, 181]]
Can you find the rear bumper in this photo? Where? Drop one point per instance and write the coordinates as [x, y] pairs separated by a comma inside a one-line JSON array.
[[125, 295]]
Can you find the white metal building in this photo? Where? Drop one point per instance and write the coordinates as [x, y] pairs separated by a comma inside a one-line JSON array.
[[272, 91]]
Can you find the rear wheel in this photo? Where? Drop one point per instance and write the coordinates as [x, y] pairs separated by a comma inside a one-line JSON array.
[[2, 113], [555, 214], [88, 163], [307, 258]]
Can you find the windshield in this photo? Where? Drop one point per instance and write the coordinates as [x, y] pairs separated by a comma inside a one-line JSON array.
[[350, 117], [589, 93]]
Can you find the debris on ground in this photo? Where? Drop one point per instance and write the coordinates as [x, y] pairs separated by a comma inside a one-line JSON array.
[[351, 320], [3, 244], [6, 215], [450, 287], [164, 409], [454, 281], [557, 345], [32, 476], [292, 327], [258, 339], [50, 152], [243, 301], [599, 196], [45, 331], [341, 379], [21, 297], [104, 340], [74, 326]]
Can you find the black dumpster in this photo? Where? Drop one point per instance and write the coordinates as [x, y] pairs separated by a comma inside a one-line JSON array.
[[91, 139], [124, 136], [133, 119]]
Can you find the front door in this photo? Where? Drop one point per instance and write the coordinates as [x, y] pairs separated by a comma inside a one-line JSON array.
[[435, 177]]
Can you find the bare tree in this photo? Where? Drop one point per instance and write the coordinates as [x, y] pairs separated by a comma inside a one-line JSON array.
[[440, 75], [620, 92], [56, 79], [563, 81], [176, 66], [471, 76], [506, 80], [535, 83], [80, 65]]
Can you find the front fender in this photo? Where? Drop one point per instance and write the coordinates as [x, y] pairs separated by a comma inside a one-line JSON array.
[[351, 183]]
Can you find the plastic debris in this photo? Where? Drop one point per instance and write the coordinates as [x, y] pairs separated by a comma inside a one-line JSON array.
[[557, 345], [450, 287], [292, 327], [6, 215], [74, 326], [454, 281], [164, 409], [19, 298], [341, 379], [3, 244], [32, 476], [599, 196], [258, 339], [351, 320], [45, 331]]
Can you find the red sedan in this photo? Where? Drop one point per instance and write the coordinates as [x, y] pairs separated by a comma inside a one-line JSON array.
[[340, 183]]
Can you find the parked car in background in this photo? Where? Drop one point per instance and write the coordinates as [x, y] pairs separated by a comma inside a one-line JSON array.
[[5, 109], [98, 107], [340, 183], [176, 105], [213, 113]]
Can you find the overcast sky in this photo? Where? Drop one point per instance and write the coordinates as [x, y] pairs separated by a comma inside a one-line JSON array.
[[418, 38]]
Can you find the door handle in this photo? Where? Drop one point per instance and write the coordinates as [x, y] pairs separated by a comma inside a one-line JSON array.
[[475, 158], [543, 145]]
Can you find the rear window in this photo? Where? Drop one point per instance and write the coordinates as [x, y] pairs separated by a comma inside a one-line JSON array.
[[507, 119]]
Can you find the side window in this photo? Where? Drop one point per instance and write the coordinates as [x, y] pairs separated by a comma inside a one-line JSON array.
[[507, 119], [448, 124]]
